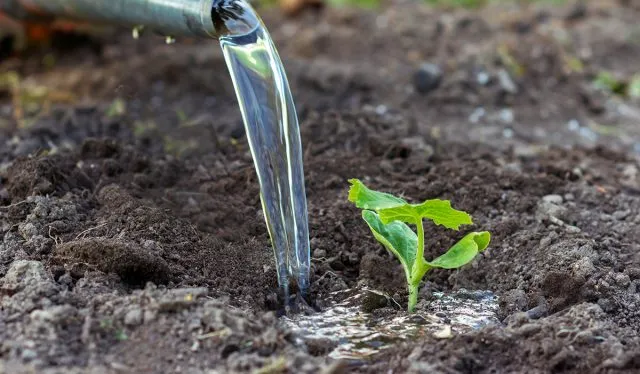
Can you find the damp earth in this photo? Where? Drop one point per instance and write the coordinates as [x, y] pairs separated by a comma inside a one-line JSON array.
[[133, 238]]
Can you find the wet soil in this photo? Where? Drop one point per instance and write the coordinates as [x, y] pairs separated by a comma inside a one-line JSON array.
[[132, 237]]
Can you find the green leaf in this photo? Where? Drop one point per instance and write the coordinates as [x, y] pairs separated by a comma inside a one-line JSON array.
[[391, 208], [365, 198], [439, 211], [406, 213], [397, 237], [463, 251]]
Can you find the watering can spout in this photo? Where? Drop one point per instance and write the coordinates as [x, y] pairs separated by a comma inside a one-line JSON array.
[[202, 18]]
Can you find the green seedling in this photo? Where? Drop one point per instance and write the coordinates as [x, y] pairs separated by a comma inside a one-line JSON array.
[[388, 216]]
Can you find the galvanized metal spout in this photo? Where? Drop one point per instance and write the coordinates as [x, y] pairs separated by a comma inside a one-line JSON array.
[[168, 17]]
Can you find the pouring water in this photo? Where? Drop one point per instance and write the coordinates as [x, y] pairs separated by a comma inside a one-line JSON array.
[[272, 129]]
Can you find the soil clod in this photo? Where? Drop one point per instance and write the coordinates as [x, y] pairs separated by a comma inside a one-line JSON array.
[[131, 262]]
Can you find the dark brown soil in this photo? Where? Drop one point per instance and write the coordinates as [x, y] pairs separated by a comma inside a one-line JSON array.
[[132, 234]]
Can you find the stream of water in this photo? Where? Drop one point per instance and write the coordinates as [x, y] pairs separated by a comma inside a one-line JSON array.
[[272, 129]]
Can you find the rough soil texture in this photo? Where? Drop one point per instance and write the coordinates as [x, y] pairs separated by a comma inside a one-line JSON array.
[[132, 238]]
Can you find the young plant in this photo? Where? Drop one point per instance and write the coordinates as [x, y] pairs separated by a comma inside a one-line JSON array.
[[388, 216]]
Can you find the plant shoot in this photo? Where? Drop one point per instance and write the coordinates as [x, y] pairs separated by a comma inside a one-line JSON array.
[[388, 218]]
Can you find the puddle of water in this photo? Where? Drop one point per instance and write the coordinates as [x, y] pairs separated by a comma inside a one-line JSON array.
[[358, 335]]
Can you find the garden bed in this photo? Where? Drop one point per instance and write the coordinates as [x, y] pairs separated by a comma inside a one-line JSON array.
[[132, 234]]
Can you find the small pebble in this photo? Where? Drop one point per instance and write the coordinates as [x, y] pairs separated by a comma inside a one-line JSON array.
[[577, 172], [588, 134], [445, 333], [477, 115], [537, 312], [381, 110], [506, 83], [483, 78], [29, 354], [506, 115], [133, 317], [427, 78], [573, 229], [573, 125], [553, 199]]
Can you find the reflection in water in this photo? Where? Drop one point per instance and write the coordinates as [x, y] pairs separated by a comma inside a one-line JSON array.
[[233, 17]]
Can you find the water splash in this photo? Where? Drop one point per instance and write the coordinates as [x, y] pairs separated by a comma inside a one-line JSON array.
[[356, 335], [272, 129]]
